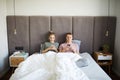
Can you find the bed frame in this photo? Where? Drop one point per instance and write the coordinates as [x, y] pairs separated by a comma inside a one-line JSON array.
[[33, 30]]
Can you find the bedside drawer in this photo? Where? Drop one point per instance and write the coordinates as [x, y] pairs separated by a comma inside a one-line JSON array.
[[14, 61], [17, 58], [104, 57]]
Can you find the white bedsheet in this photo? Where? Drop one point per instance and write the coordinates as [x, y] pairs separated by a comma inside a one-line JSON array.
[[93, 70], [49, 66]]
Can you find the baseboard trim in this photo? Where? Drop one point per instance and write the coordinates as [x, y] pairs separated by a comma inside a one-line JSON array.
[[116, 71]]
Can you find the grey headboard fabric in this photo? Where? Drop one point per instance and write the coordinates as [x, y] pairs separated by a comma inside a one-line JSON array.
[[102, 25], [61, 25], [39, 27], [83, 30], [33, 30], [22, 29]]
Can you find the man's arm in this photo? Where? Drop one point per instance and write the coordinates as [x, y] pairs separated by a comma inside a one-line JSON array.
[[77, 49]]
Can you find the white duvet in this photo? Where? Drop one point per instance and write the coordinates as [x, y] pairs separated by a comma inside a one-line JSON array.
[[49, 66]]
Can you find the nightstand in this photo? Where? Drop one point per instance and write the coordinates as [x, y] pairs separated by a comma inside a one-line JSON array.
[[103, 59], [16, 58]]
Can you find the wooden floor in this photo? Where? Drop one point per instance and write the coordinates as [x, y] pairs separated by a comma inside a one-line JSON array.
[[8, 74]]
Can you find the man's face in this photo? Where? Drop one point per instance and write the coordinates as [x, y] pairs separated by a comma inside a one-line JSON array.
[[69, 38]]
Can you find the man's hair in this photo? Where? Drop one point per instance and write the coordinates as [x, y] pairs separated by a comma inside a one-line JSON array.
[[69, 33]]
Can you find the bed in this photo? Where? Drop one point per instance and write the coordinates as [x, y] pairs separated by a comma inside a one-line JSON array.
[[35, 28], [31, 69], [93, 70]]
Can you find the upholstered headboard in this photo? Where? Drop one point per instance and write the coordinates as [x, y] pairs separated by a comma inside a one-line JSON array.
[[33, 30]]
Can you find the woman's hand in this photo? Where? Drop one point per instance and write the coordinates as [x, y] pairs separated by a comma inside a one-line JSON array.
[[52, 47]]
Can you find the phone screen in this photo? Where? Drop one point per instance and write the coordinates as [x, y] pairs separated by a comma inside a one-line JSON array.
[[68, 44]]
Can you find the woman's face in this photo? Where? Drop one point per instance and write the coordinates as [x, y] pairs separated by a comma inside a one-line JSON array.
[[69, 38], [52, 38]]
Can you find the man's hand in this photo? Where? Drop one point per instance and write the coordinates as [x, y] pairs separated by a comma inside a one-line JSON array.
[[66, 49], [73, 50]]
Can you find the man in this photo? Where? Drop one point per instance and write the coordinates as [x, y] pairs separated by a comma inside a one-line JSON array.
[[68, 46]]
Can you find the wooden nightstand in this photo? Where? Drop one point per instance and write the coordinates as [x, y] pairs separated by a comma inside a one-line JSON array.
[[16, 58], [103, 59]]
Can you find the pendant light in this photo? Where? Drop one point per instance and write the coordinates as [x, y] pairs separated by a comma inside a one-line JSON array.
[[15, 31], [108, 13]]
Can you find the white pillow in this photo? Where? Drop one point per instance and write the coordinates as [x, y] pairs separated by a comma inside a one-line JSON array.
[[83, 62]]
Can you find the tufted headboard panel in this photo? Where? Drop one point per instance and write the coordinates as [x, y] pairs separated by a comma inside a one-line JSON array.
[[61, 25], [39, 27], [21, 38], [33, 30], [83, 30]]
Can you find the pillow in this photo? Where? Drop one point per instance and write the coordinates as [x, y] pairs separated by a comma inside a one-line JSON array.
[[78, 42], [83, 62]]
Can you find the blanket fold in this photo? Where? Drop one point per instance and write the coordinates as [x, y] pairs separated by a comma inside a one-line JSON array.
[[49, 66]]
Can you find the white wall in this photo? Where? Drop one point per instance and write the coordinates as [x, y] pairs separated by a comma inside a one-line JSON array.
[[3, 38], [116, 57], [61, 7]]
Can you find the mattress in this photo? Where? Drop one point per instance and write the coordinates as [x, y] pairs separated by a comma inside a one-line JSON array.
[[93, 70]]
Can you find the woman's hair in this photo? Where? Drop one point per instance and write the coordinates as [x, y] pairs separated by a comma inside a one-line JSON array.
[[51, 33]]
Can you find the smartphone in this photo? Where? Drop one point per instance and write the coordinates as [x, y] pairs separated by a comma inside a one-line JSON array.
[[68, 44]]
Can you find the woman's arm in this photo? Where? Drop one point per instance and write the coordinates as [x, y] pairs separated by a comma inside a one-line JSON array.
[[46, 50], [50, 48]]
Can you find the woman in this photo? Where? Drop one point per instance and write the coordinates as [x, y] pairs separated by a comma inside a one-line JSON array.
[[51, 45], [69, 46]]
